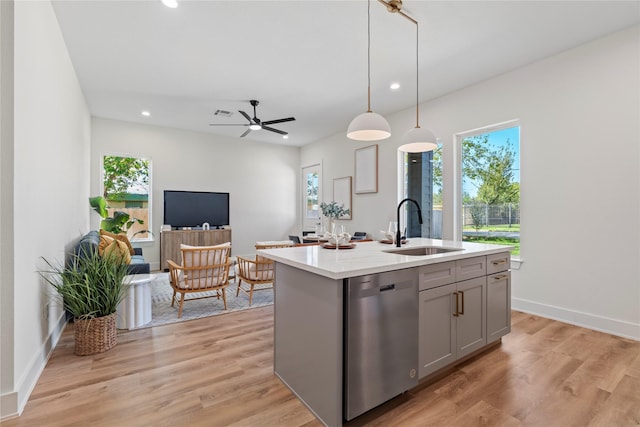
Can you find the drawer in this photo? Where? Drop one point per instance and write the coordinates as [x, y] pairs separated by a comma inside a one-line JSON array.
[[434, 275], [498, 262], [471, 268]]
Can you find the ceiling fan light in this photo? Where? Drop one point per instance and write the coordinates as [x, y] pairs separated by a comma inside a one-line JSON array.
[[255, 127], [369, 126], [418, 140]]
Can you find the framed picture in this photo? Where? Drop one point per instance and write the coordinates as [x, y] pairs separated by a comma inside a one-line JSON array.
[[342, 194], [366, 168]]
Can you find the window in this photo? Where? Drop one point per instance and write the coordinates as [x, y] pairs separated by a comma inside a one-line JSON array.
[[490, 194], [423, 183], [126, 185], [311, 192]]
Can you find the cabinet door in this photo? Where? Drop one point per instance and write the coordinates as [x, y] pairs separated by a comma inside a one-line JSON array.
[[215, 237], [437, 329], [498, 305], [170, 246], [472, 318]]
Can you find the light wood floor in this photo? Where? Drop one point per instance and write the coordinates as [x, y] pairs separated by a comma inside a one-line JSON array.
[[219, 372]]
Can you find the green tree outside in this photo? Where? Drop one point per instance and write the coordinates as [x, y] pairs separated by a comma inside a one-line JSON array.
[[122, 174]]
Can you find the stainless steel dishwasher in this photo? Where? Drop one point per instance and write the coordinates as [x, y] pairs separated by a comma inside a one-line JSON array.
[[380, 339]]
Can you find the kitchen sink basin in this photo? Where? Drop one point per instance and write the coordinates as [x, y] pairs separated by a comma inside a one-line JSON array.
[[422, 251]]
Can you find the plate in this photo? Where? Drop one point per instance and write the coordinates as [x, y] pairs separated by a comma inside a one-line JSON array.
[[342, 246]]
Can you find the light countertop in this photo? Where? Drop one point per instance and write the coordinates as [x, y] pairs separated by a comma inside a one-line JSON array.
[[370, 257]]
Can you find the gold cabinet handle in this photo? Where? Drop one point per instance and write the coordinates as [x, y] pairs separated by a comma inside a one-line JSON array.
[[457, 312], [502, 261], [500, 277], [462, 295]]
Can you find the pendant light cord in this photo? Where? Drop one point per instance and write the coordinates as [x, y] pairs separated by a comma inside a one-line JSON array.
[[417, 79], [369, 56]]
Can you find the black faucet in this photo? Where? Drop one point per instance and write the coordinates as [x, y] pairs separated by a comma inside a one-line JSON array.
[[398, 236]]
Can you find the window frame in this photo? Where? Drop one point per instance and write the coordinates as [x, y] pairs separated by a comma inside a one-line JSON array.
[[149, 222], [309, 224], [403, 191], [458, 194]]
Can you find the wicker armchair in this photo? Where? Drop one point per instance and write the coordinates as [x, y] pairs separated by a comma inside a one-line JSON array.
[[257, 272], [203, 269]]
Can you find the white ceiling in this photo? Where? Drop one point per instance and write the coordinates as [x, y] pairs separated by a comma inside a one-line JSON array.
[[306, 58]]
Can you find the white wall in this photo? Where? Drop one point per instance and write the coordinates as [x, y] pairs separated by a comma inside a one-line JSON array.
[[580, 162], [48, 207], [371, 212], [262, 179]]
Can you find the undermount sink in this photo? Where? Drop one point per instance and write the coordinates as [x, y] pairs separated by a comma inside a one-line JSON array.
[[422, 251]]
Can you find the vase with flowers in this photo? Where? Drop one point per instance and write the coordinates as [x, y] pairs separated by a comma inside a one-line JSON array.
[[333, 211]]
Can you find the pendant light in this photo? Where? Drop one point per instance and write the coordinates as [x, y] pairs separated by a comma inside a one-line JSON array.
[[418, 140], [369, 126]]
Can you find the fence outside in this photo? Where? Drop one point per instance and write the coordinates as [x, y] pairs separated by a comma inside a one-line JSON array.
[[138, 213], [482, 214]]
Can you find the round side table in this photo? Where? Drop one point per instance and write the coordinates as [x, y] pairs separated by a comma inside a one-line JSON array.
[[135, 309]]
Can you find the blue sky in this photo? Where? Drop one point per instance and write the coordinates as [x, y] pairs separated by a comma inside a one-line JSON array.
[[497, 139]]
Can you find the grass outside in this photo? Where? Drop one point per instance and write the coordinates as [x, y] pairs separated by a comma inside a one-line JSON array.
[[495, 241], [515, 228]]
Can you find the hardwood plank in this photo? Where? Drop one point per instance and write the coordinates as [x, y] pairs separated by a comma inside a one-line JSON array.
[[622, 408], [483, 414], [218, 371]]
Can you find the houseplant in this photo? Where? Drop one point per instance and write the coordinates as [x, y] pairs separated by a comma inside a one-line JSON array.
[[119, 223], [90, 287], [333, 211]]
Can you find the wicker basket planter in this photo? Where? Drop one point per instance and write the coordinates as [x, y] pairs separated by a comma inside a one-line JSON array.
[[93, 336]]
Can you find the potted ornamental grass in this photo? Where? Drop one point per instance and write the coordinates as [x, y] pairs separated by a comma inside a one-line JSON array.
[[90, 287]]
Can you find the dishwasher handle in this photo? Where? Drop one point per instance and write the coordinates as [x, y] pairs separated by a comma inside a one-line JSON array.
[[391, 287]]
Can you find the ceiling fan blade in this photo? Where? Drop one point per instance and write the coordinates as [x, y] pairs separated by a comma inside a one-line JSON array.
[[246, 116], [281, 132], [271, 122], [245, 133]]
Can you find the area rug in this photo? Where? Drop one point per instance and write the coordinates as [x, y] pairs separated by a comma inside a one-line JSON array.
[[162, 313]]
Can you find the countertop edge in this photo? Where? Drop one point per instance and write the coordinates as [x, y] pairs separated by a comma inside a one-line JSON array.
[[373, 259]]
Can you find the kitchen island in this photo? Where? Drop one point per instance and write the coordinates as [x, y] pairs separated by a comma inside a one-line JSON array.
[[311, 326]]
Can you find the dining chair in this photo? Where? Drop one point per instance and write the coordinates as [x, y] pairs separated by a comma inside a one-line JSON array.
[[359, 235], [294, 239], [204, 270]]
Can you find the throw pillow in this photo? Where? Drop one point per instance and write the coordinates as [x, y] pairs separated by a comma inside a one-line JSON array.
[[113, 247], [121, 237]]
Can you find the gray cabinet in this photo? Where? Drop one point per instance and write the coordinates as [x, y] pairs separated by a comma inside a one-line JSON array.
[[436, 328], [472, 317], [498, 296], [463, 306], [452, 323]]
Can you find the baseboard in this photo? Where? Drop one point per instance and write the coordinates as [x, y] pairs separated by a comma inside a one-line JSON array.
[[12, 403], [586, 320], [9, 406]]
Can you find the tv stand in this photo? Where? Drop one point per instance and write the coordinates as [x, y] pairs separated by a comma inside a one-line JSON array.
[[170, 242]]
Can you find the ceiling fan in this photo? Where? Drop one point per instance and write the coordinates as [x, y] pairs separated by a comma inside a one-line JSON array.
[[255, 123]]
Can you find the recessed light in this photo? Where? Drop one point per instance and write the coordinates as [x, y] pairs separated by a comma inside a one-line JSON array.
[[285, 136], [146, 113], [170, 3], [394, 86]]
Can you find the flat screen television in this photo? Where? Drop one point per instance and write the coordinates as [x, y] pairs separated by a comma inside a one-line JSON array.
[[194, 208]]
